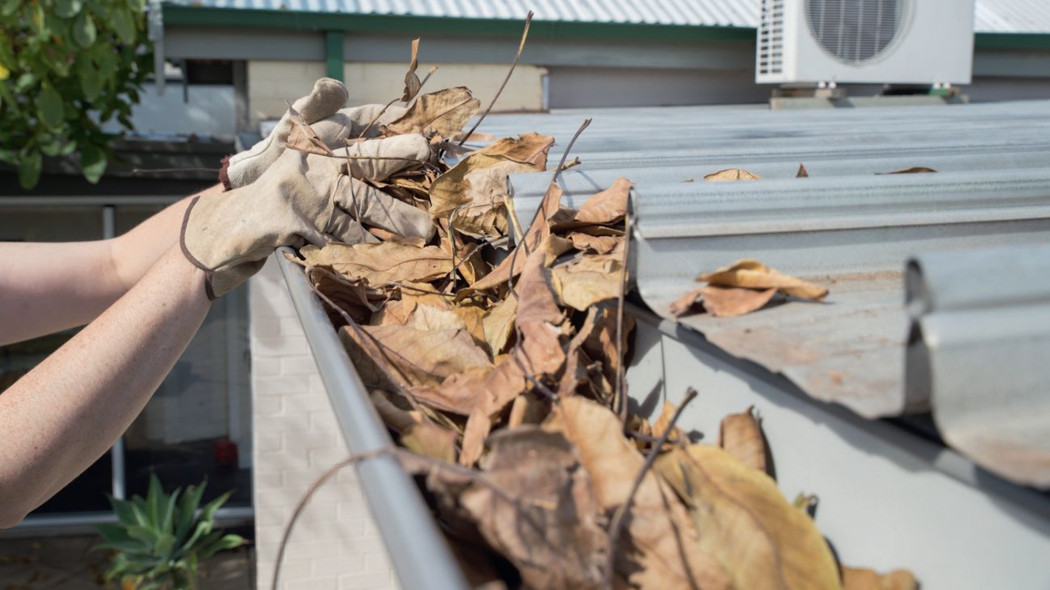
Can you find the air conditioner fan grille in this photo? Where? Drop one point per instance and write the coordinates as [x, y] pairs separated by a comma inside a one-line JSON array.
[[856, 31]]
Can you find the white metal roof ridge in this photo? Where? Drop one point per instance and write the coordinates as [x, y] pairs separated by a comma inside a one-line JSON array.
[[977, 351], [990, 16]]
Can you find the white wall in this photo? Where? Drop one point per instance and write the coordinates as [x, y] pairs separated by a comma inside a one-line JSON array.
[[204, 110], [335, 544]]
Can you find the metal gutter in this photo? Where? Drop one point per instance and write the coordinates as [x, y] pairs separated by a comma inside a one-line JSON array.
[[977, 349], [417, 549]]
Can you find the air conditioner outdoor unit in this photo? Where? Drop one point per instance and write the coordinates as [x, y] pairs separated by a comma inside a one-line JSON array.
[[865, 41]]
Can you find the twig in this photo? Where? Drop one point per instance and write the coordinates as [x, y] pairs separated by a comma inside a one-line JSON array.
[[619, 518], [621, 377], [521, 47], [376, 119], [320, 481]]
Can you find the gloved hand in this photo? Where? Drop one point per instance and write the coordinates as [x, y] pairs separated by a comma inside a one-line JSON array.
[[320, 109], [302, 198]]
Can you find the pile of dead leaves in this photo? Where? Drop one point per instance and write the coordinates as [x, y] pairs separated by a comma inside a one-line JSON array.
[[499, 363]]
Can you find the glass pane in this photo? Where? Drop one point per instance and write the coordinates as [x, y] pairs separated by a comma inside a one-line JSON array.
[[50, 224]]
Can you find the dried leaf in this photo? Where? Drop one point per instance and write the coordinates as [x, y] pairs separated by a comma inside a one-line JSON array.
[[499, 324], [473, 318], [526, 409], [544, 519], [416, 357], [607, 207], [752, 274], [540, 349], [727, 302], [802, 172], [430, 440], [352, 296], [443, 113], [586, 281], [912, 170], [395, 416], [477, 186], [303, 138], [383, 263], [601, 343], [392, 313], [730, 174], [481, 389], [412, 83], [660, 546], [745, 523], [687, 303], [662, 422], [866, 579], [598, 244], [428, 317], [741, 436]]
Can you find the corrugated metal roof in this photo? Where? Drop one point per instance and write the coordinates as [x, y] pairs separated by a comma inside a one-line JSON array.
[[992, 16], [845, 226]]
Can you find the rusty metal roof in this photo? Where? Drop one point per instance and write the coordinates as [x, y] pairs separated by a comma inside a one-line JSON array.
[[847, 226]]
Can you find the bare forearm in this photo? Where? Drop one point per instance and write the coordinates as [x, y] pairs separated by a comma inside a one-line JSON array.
[[63, 415], [47, 287]]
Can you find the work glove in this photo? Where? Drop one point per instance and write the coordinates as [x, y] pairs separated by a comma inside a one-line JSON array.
[[321, 110], [302, 198]]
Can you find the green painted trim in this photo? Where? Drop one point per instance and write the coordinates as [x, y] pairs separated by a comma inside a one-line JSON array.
[[1012, 41], [333, 54], [179, 15]]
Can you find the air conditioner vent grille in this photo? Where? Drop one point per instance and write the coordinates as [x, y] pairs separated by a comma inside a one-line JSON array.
[[771, 37], [856, 31]]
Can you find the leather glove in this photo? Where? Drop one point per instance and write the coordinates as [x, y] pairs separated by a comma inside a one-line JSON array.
[[320, 109], [302, 198]]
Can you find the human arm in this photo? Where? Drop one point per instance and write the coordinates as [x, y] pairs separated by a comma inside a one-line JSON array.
[[64, 414], [52, 286]]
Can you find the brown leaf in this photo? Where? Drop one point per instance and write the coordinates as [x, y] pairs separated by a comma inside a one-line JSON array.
[[912, 170], [481, 389], [741, 436], [606, 207], [416, 357], [428, 317], [476, 188], [352, 296], [430, 440], [526, 409], [752, 274], [746, 524], [601, 343], [727, 302], [394, 415], [662, 422], [473, 318], [383, 263], [444, 113], [802, 172], [412, 83], [660, 546], [544, 517], [866, 579], [730, 174], [686, 303], [597, 244], [499, 324], [538, 319], [303, 138], [576, 373], [586, 281]]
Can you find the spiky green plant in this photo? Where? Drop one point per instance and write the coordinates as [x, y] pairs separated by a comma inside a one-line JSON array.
[[160, 540]]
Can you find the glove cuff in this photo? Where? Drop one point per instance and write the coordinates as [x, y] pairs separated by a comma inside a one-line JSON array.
[[208, 289], [224, 173]]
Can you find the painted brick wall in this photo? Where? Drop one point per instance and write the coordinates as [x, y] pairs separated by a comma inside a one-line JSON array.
[[335, 544]]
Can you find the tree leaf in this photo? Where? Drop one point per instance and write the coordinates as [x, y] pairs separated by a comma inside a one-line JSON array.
[[412, 83], [760, 539], [606, 207], [498, 324], [29, 169], [912, 170], [383, 263], [752, 274], [741, 436], [731, 174], [545, 519], [67, 8], [93, 163], [123, 24], [84, 32], [443, 113], [586, 281], [660, 548], [430, 440], [802, 172], [49, 106]]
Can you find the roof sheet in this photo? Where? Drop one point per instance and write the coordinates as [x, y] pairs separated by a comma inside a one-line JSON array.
[[991, 16], [847, 226]]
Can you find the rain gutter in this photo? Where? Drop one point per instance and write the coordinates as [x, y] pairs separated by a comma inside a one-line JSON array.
[[419, 552]]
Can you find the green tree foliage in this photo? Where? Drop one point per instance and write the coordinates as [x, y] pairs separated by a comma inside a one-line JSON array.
[[66, 67]]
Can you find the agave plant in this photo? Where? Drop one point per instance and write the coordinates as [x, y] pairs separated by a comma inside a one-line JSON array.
[[160, 540]]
